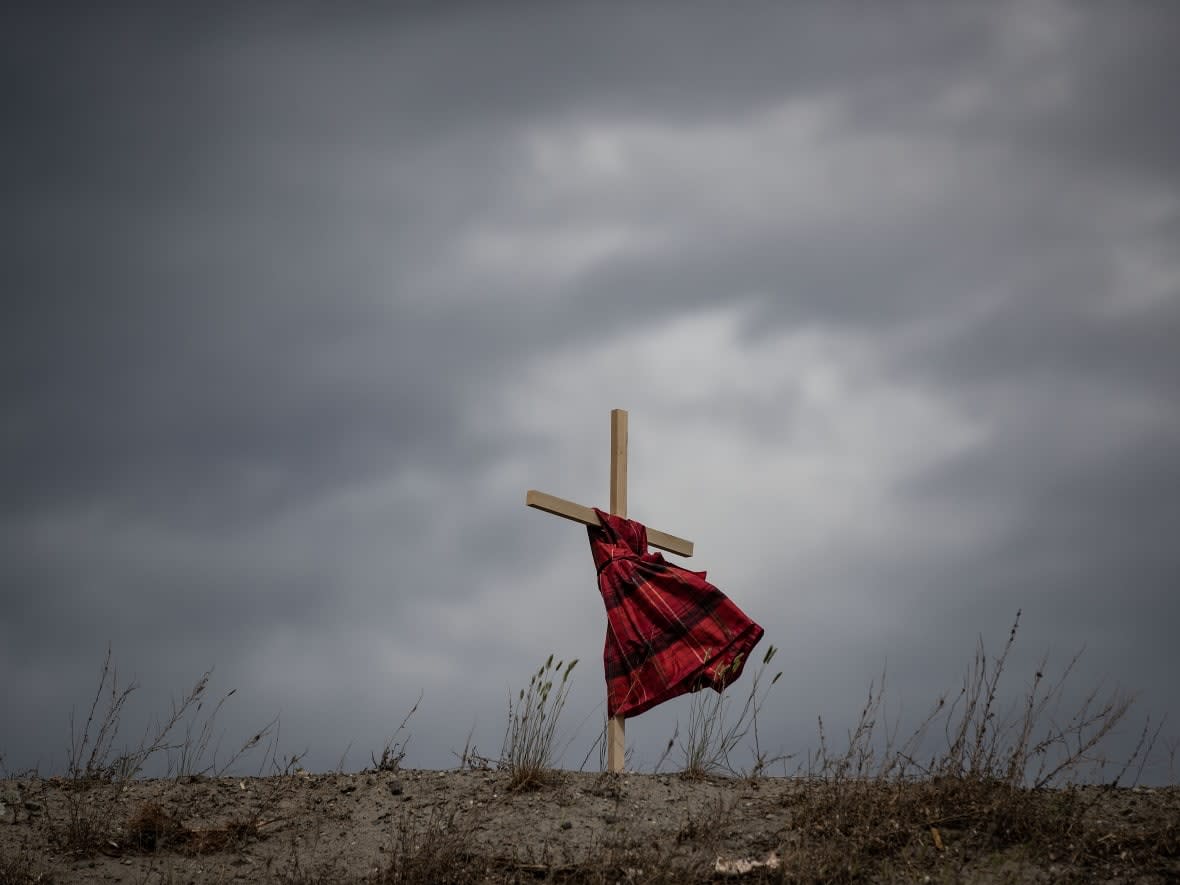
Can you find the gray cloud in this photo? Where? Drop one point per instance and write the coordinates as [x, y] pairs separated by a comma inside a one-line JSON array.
[[302, 300]]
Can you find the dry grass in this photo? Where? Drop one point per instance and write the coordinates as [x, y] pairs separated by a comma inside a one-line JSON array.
[[853, 830], [23, 867], [92, 756], [437, 851], [713, 734], [529, 739], [1036, 747], [394, 750], [873, 810], [95, 771]]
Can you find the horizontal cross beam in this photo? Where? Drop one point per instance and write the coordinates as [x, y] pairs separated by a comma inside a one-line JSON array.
[[578, 513]]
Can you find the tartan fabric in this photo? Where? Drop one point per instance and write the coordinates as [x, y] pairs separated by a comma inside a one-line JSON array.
[[669, 631]]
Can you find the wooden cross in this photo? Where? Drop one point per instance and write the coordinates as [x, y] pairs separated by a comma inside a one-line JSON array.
[[618, 506]]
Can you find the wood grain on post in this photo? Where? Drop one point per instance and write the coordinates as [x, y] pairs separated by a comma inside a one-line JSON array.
[[618, 462]]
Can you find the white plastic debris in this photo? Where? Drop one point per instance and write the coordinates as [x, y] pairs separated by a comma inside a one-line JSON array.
[[741, 866]]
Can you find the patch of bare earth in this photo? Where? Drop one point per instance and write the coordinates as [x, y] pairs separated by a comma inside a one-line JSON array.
[[467, 826]]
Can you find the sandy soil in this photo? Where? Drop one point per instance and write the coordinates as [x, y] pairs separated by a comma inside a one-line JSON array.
[[348, 827]]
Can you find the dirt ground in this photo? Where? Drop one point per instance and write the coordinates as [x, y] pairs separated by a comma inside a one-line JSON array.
[[410, 826]]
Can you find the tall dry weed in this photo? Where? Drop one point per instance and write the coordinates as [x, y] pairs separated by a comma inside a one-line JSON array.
[[95, 769], [714, 733], [879, 809], [528, 748]]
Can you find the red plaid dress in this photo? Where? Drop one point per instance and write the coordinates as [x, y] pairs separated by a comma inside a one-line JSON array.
[[669, 631]]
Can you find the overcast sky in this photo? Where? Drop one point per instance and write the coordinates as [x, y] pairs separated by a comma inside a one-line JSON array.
[[300, 300]]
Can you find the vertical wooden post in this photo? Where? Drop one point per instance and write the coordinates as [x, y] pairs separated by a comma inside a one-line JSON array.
[[615, 733], [618, 462]]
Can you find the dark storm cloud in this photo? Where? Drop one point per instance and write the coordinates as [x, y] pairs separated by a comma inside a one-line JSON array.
[[192, 301], [1117, 96]]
